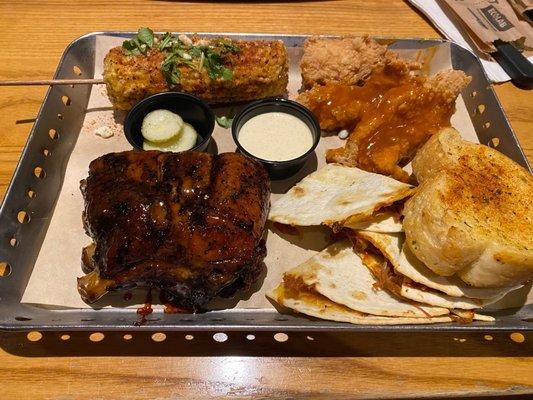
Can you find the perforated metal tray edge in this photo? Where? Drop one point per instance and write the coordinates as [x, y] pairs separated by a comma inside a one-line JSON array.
[[67, 121]]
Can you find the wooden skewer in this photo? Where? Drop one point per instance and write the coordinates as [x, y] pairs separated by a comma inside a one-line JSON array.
[[51, 82]]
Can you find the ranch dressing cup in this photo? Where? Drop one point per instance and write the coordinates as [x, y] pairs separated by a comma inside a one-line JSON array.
[[279, 133]]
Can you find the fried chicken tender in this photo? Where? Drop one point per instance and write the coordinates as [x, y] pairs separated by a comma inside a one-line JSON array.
[[348, 60], [359, 85], [398, 121], [339, 106]]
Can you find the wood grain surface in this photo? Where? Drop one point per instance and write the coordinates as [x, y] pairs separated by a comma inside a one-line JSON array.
[[33, 36]]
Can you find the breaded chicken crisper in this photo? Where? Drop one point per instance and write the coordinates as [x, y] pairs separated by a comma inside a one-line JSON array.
[[358, 85]]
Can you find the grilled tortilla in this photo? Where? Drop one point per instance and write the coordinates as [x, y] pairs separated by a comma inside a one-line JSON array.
[[382, 222], [311, 303], [382, 267], [393, 247], [339, 274], [424, 295], [336, 196]]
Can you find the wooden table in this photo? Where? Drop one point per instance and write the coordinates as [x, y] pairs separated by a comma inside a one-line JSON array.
[[32, 39]]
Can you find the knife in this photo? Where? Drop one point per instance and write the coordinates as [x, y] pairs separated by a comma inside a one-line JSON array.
[[514, 63]]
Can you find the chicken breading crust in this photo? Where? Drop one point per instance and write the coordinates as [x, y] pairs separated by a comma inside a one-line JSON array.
[[390, 132], [348, 60]]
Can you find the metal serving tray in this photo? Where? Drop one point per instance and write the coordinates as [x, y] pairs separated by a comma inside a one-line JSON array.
[[46, 184]]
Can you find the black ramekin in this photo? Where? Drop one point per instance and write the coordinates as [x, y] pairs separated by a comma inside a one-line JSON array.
[[192, 109], [277, 169]]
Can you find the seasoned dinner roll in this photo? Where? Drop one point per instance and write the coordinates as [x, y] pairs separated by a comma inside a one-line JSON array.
[[472, 213]]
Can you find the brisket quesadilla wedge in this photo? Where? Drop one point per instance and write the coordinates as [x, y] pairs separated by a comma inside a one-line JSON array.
[[422, 294], [381, 222], [309, 302], [336, 196], [392, 247], [339, 274], [382, 252]]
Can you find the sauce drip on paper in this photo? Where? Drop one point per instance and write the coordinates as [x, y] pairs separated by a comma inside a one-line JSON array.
[[145, 310]]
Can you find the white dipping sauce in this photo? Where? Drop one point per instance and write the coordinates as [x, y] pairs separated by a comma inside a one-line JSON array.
[[276, 136]]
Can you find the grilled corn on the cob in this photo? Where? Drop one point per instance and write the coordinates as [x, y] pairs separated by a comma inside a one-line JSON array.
[[259, 69]]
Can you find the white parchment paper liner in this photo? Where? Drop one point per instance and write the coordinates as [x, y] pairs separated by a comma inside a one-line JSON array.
[[53, 280]]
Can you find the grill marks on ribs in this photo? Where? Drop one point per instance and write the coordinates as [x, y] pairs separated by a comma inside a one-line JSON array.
[[191, 224]]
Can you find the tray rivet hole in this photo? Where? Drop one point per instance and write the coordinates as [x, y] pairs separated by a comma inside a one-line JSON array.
[[5, 269], [31, 194], [96, 337], [461, 340], [159, 337], [281, 337], [65, 337], [281, 319], [220, 337], [517, 337], [23, 319], [480, 109], [59, 116], [488, 338], [189, 337], [218, 319], [127, 336], [87, 319], [39, 172], [250, 337], [494, 142], [34, 336], [66, 100], [76, 70], [311, 338], [53, 134], [486, 125], [473, 94], [23, 217], [13, 242]]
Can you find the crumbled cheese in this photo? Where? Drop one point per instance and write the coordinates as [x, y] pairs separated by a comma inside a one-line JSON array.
[[343, 134], [185, 39], [104, 132]]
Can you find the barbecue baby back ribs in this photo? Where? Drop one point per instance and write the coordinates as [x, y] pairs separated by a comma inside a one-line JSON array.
[[191, 224]]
